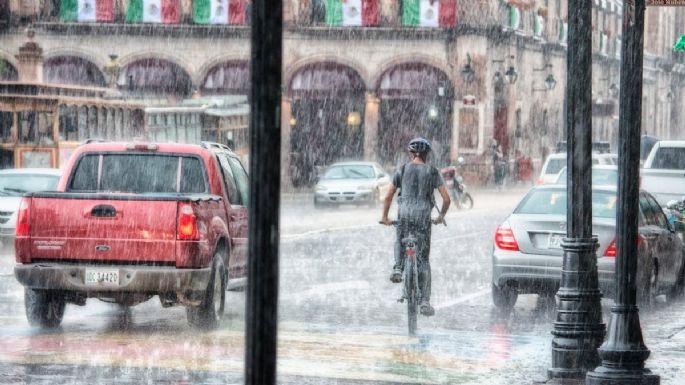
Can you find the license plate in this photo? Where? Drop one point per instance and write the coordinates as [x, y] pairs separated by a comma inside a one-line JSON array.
[[103, 277], [554, 241]]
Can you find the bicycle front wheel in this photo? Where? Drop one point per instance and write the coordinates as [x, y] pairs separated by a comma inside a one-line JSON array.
[[412, 294]]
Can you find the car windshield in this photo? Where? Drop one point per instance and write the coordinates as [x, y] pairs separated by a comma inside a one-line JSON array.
[[349, 172], [599, 177], [16, 185], [669, 158], [553, 202]]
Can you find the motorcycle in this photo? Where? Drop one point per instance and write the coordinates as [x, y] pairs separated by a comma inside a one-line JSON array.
[[457, 188]]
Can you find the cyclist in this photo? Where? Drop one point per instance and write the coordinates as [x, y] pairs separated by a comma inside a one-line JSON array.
[[417, 182]]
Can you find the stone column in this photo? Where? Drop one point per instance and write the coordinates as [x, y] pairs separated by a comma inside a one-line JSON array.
[[286, 115], [14, 131], [454, 146], [30, 58], [55, 125], [371, 116]]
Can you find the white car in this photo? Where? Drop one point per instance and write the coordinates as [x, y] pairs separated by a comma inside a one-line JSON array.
[[351, 183], [13, 184], [557, 161]]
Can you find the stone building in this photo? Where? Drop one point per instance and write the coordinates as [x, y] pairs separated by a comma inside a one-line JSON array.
[[487, 69]]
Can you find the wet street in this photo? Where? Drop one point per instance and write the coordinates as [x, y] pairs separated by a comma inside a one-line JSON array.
[[340, 322]]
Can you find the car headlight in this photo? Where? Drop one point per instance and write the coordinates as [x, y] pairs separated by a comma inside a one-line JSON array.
[[365, 187], [321, 188]]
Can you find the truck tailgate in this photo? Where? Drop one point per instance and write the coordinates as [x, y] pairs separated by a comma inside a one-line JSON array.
[[103, 230]]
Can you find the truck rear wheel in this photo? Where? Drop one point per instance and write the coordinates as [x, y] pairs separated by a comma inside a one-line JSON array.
[[44, 308], [209, 313]]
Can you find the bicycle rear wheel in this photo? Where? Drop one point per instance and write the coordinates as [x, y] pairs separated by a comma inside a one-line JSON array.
[[411, 290]]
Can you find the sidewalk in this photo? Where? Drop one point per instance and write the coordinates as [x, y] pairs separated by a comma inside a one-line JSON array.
[[664, 335]]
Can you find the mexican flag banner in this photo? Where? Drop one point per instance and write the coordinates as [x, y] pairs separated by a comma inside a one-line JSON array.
[[429, 13], [154, 11], [352, 12], [87, 10], [219, 11]]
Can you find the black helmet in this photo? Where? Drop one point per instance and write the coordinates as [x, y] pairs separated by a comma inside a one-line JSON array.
[[419, 146]]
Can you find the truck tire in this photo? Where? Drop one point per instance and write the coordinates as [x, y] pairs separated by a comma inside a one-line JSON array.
[[208, 315], [44, 308]]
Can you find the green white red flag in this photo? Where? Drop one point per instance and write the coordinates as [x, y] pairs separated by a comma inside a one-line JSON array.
[[87, 10], [219, 11], [154, 11], [352, 12], [429, 13]]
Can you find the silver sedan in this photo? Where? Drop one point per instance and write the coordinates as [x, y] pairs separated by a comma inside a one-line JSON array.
[[351, 182], [527, 255]]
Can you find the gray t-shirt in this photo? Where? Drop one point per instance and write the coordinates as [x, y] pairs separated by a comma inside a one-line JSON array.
[[417, 187]]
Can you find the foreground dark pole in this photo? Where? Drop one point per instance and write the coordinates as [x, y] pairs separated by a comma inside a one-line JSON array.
[[624, 352], [265, 169], [578, 329]]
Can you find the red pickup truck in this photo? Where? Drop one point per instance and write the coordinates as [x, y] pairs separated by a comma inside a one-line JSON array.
[[133, 220]]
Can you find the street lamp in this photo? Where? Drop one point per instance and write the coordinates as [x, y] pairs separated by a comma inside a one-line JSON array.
[[512, 75], [354, 119], [467, 73], [112, 69], [550, 82], [613, 90]]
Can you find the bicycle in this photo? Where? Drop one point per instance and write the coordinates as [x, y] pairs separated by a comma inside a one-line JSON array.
[[410, 248]]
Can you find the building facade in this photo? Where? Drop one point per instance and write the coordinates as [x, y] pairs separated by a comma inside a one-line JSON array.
[[360, 87]]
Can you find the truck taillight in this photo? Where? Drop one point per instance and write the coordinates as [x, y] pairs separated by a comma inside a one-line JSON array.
[[187, 223], [23, 216], [504, 238]]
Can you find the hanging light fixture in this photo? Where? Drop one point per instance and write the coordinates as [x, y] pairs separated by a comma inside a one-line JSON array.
[[354, 119], [512, 75], [467, 73], [550, 82]]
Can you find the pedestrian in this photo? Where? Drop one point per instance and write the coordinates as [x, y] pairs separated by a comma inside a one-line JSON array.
[[417, 182], [498, 164]]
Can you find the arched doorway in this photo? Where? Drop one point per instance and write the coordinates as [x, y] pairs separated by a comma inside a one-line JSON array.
[[327, 119], [7, 71], [227, 78], [72, 70], [415, 100], [155, 78]]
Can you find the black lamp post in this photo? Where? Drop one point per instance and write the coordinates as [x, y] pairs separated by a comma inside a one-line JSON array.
[[265, 175], [578, 329], [624, 352]]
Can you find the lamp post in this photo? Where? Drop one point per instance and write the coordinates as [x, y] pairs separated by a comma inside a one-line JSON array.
[[578, 329], [624, 352], [265, 183]]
